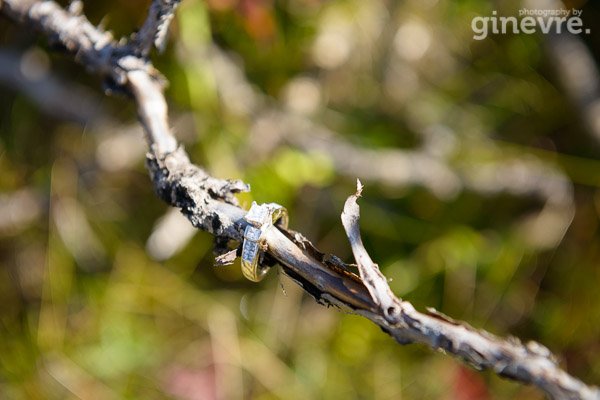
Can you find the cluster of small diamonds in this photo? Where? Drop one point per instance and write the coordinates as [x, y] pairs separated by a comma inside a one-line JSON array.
[[249, 251], [251, 235]]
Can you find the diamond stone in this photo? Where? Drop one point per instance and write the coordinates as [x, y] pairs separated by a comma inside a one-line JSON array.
[[249, 250], [256, 215], [252, 233]]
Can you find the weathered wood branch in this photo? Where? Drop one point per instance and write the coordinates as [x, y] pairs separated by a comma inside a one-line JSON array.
[[210, 204], [510, 358], [153, 32]]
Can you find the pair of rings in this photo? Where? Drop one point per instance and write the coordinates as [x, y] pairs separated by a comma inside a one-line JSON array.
[[260, 218]]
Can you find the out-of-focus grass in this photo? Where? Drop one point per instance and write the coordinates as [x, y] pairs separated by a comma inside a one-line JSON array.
[[85, 312]]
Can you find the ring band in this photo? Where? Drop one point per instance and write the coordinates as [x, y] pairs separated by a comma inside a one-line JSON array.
[[250, 255], [260, 218], [279, 215]]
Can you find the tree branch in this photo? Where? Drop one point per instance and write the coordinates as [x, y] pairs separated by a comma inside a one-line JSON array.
[[209, 203], [510, 358], [155, 28]]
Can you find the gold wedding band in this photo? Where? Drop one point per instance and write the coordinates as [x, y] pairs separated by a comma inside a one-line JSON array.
[[260, 218]]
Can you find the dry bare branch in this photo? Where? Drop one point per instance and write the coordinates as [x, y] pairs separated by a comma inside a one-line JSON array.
[[209, 203], [155, 28], [531, 362]]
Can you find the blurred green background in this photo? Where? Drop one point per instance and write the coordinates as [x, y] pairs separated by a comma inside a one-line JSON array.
[[480, 160]]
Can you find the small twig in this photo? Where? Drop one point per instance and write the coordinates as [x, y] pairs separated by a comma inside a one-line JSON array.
[[370, 274], [155, 28]]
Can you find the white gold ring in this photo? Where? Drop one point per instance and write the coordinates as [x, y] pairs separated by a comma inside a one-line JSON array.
[[260, 218]]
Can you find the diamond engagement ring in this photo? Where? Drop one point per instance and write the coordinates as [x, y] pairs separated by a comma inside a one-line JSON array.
[[260, 217]]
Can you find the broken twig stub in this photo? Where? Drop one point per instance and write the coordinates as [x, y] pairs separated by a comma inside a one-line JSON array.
[[373, 279]]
